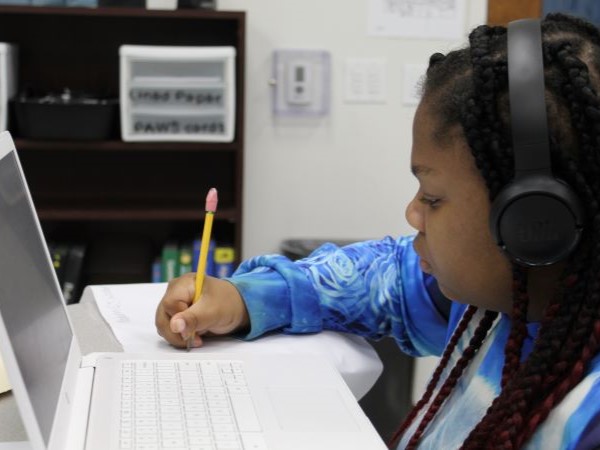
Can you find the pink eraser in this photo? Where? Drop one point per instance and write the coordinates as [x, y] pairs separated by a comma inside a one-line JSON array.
[[211, 200]]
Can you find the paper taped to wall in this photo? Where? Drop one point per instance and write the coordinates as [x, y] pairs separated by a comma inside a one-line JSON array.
[[419, 19]]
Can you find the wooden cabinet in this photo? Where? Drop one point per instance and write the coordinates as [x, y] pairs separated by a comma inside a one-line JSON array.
[[500, 12], [92, 190]]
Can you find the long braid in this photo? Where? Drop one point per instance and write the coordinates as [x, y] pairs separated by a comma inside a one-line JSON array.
[[479, 436], [483, 127], [502, 409], [518, 330], [468, 354], [435, 378]]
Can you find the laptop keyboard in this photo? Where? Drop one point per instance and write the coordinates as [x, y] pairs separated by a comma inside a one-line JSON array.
[[200, 405]]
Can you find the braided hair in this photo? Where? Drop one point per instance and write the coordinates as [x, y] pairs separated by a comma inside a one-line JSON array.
[[470, 89]]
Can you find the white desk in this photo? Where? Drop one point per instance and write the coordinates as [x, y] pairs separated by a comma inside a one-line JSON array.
[[114, 318]]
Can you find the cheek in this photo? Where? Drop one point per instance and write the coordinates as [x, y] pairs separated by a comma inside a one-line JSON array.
[[469, 265]]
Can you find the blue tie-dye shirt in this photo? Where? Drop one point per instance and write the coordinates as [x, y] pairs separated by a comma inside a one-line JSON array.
[[377, 289]]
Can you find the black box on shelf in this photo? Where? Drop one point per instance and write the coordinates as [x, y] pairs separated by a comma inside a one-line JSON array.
[[66, 117]]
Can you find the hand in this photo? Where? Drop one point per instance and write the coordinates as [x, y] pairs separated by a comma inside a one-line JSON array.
[[220, 310]]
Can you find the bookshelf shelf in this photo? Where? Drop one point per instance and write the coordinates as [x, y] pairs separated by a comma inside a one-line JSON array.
[[133, 214], [115, 145], [117, 196]]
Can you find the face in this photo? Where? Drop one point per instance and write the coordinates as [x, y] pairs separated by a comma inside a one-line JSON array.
[[450, 212]]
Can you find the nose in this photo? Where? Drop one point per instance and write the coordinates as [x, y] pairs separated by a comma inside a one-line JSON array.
[[414, 215]]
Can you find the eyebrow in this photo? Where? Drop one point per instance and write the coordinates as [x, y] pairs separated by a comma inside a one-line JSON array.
[[420, 170]]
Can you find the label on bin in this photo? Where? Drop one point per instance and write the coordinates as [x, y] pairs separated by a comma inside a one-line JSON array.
[[209, 98], [147, 124]]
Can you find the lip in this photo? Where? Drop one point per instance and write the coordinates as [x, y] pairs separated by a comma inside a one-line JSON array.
[[425, 266], [423, 263]]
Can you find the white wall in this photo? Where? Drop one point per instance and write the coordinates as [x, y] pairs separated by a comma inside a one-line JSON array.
[[345, 176]]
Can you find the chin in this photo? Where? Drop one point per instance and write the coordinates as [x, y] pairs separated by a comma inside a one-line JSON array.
[[449, 294]]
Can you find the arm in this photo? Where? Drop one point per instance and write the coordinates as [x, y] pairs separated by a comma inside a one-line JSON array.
[[373, 288]]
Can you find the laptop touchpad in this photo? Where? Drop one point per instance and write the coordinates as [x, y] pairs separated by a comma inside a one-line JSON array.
[[311, 409]]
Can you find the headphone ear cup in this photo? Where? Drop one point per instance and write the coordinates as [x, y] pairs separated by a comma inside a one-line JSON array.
[[537, 220]]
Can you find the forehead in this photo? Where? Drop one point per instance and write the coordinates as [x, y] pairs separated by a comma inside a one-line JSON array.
[[437, 150]]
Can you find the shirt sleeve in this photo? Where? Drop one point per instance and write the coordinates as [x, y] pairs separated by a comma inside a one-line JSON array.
[[590, 438], [373, 289]]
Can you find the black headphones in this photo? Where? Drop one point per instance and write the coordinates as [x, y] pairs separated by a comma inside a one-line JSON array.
[[536, 219]]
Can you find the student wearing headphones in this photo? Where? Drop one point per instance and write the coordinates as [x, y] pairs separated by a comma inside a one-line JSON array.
[[506, 149]]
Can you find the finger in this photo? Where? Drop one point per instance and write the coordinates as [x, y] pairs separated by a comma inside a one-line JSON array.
[[162, 323], [179, 294], [185, 322]]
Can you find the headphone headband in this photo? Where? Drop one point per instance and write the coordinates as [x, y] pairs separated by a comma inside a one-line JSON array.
[[527, 101]]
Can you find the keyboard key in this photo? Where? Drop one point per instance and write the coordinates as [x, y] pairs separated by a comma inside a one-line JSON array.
[[201, 405]]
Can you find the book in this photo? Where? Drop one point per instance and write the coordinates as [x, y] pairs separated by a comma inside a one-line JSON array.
[[210, 260], [185, 259], [224, 258], [58, 254], [170, 261], [71, 285], [156, 275]]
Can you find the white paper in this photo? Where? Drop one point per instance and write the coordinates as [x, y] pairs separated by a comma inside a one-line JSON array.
[[129, 310], [4, 383], [421, 19]]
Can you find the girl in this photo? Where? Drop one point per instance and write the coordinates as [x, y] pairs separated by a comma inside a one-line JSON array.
[[519, 345]]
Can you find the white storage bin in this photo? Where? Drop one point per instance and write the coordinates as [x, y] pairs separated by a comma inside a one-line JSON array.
[[8, 80], [177, 93]]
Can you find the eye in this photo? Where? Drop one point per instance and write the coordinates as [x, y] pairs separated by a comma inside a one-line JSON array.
[[431, 202]]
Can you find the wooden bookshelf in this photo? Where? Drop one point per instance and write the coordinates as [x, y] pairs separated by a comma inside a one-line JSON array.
[[94, 188]]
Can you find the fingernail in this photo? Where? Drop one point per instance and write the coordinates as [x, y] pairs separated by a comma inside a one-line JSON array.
[[177, 325], [197, 341]]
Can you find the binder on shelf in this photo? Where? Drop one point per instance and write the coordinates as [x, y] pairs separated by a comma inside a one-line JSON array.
[[224, 261], [58, 254], [156, 276], [170, 261], [67, 259], [210, 260], [173, 93], [71, 286], [179, 258], [185, 259]]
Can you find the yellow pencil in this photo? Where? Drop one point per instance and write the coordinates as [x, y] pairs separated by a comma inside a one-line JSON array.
[[210, 208]]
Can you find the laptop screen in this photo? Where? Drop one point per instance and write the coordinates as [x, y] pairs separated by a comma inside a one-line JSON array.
[[30, 302]]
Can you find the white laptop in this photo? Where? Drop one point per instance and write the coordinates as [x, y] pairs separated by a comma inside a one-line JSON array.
[[171, 401]]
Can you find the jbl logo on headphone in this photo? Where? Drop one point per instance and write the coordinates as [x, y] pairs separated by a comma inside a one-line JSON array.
[[536, 219], [537, 231]]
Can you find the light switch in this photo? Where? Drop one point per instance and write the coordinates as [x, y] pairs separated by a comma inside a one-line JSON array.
[[365, 80]]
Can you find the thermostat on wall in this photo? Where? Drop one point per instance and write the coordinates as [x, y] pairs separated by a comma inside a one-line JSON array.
[[301, 80]]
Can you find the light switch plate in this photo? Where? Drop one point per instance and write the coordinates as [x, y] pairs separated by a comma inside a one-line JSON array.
[[365, 80]]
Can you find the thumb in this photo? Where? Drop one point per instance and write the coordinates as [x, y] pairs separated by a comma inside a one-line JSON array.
[[184, 323]]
